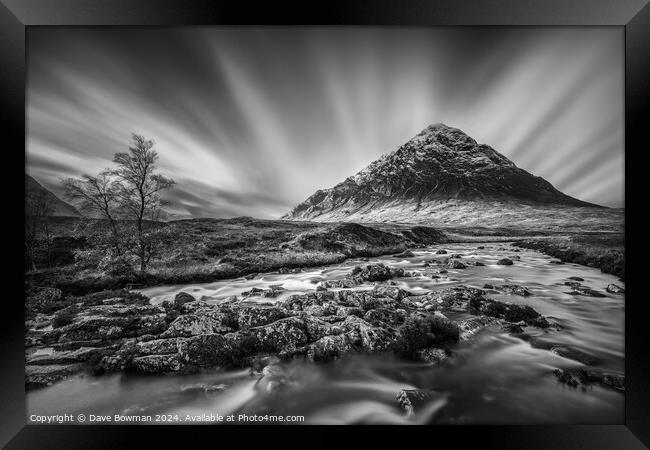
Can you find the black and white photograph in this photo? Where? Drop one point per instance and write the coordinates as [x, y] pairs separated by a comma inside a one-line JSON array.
[[325, 225]]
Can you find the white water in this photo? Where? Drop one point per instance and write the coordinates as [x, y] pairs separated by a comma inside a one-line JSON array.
[[496, 378]]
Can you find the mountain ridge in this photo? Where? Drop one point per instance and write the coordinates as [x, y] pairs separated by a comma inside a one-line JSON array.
[[439, 165], [58, 206]]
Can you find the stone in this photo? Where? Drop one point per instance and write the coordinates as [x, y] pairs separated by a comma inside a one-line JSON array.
[[280, 335], [455, 264], [472, 326], [257, 316], [203, 322], [384, 316], [392, 292], [331, 347], [585, 291], [157, 363], [505, 262], [614, 289], [46, 375], [412, 400], [66, 357], [433, 355], [181, 298], [516, 289]]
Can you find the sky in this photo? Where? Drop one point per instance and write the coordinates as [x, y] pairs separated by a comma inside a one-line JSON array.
[[253, 120]]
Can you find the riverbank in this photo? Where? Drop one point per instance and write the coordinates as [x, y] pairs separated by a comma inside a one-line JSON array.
[[401, 332], [605, 251], [206, 250]]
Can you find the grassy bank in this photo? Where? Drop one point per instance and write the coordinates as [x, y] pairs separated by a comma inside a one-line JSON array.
[[206, 250], [605, 251]]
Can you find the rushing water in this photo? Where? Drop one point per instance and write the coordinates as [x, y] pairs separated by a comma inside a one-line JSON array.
[[495, 378]]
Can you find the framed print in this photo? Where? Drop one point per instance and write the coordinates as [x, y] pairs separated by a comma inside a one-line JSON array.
[[361, 214]]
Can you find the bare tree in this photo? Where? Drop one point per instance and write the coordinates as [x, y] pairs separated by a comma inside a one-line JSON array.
[[37, 209], [128, 197], [138, 188], [96, 195]]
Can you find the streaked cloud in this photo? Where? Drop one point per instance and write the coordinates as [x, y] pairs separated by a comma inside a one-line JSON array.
[[252, 120]]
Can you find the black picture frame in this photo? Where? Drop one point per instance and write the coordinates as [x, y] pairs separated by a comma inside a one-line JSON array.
[[633, 15]]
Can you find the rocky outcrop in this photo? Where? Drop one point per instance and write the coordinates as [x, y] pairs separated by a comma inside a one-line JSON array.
[[105, 333], [585, 377], [364, 274]]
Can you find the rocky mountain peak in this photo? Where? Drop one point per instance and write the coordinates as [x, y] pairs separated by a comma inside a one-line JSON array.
[[438, 164]]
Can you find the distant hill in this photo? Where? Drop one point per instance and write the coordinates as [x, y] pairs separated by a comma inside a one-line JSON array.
[[59, 207]]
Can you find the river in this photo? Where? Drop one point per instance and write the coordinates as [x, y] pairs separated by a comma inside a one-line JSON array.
[[495, 378]]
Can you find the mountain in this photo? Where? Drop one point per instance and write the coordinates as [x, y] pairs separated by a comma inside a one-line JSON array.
[[33, 189], [441, 174]]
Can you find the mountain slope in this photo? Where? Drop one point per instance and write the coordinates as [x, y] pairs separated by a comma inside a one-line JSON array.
[[434, 176], [58, 207]]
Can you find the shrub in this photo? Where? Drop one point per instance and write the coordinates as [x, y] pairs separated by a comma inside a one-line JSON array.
[[415, 334], [116, 266], [418, 333], [65, 316], [446, 332]]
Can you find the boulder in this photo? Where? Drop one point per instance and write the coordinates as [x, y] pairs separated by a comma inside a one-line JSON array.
[[181, 298], [433, 355], [274, 378], [331, 347], [256, 316], [203, 322], [413, 400], [505, 262], [507, 311], [44, 299], [157, 363], [469, 327], [372, 339], [45, 375], [516, 290], [280, 335], [384, 317], [455, 264], [615, 289], [585, 291], [66, 357], [579, 376], [389, 291]]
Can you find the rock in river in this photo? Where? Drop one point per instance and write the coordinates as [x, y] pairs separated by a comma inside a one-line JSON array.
[[615, 289], [412, 400], [182, 298]]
